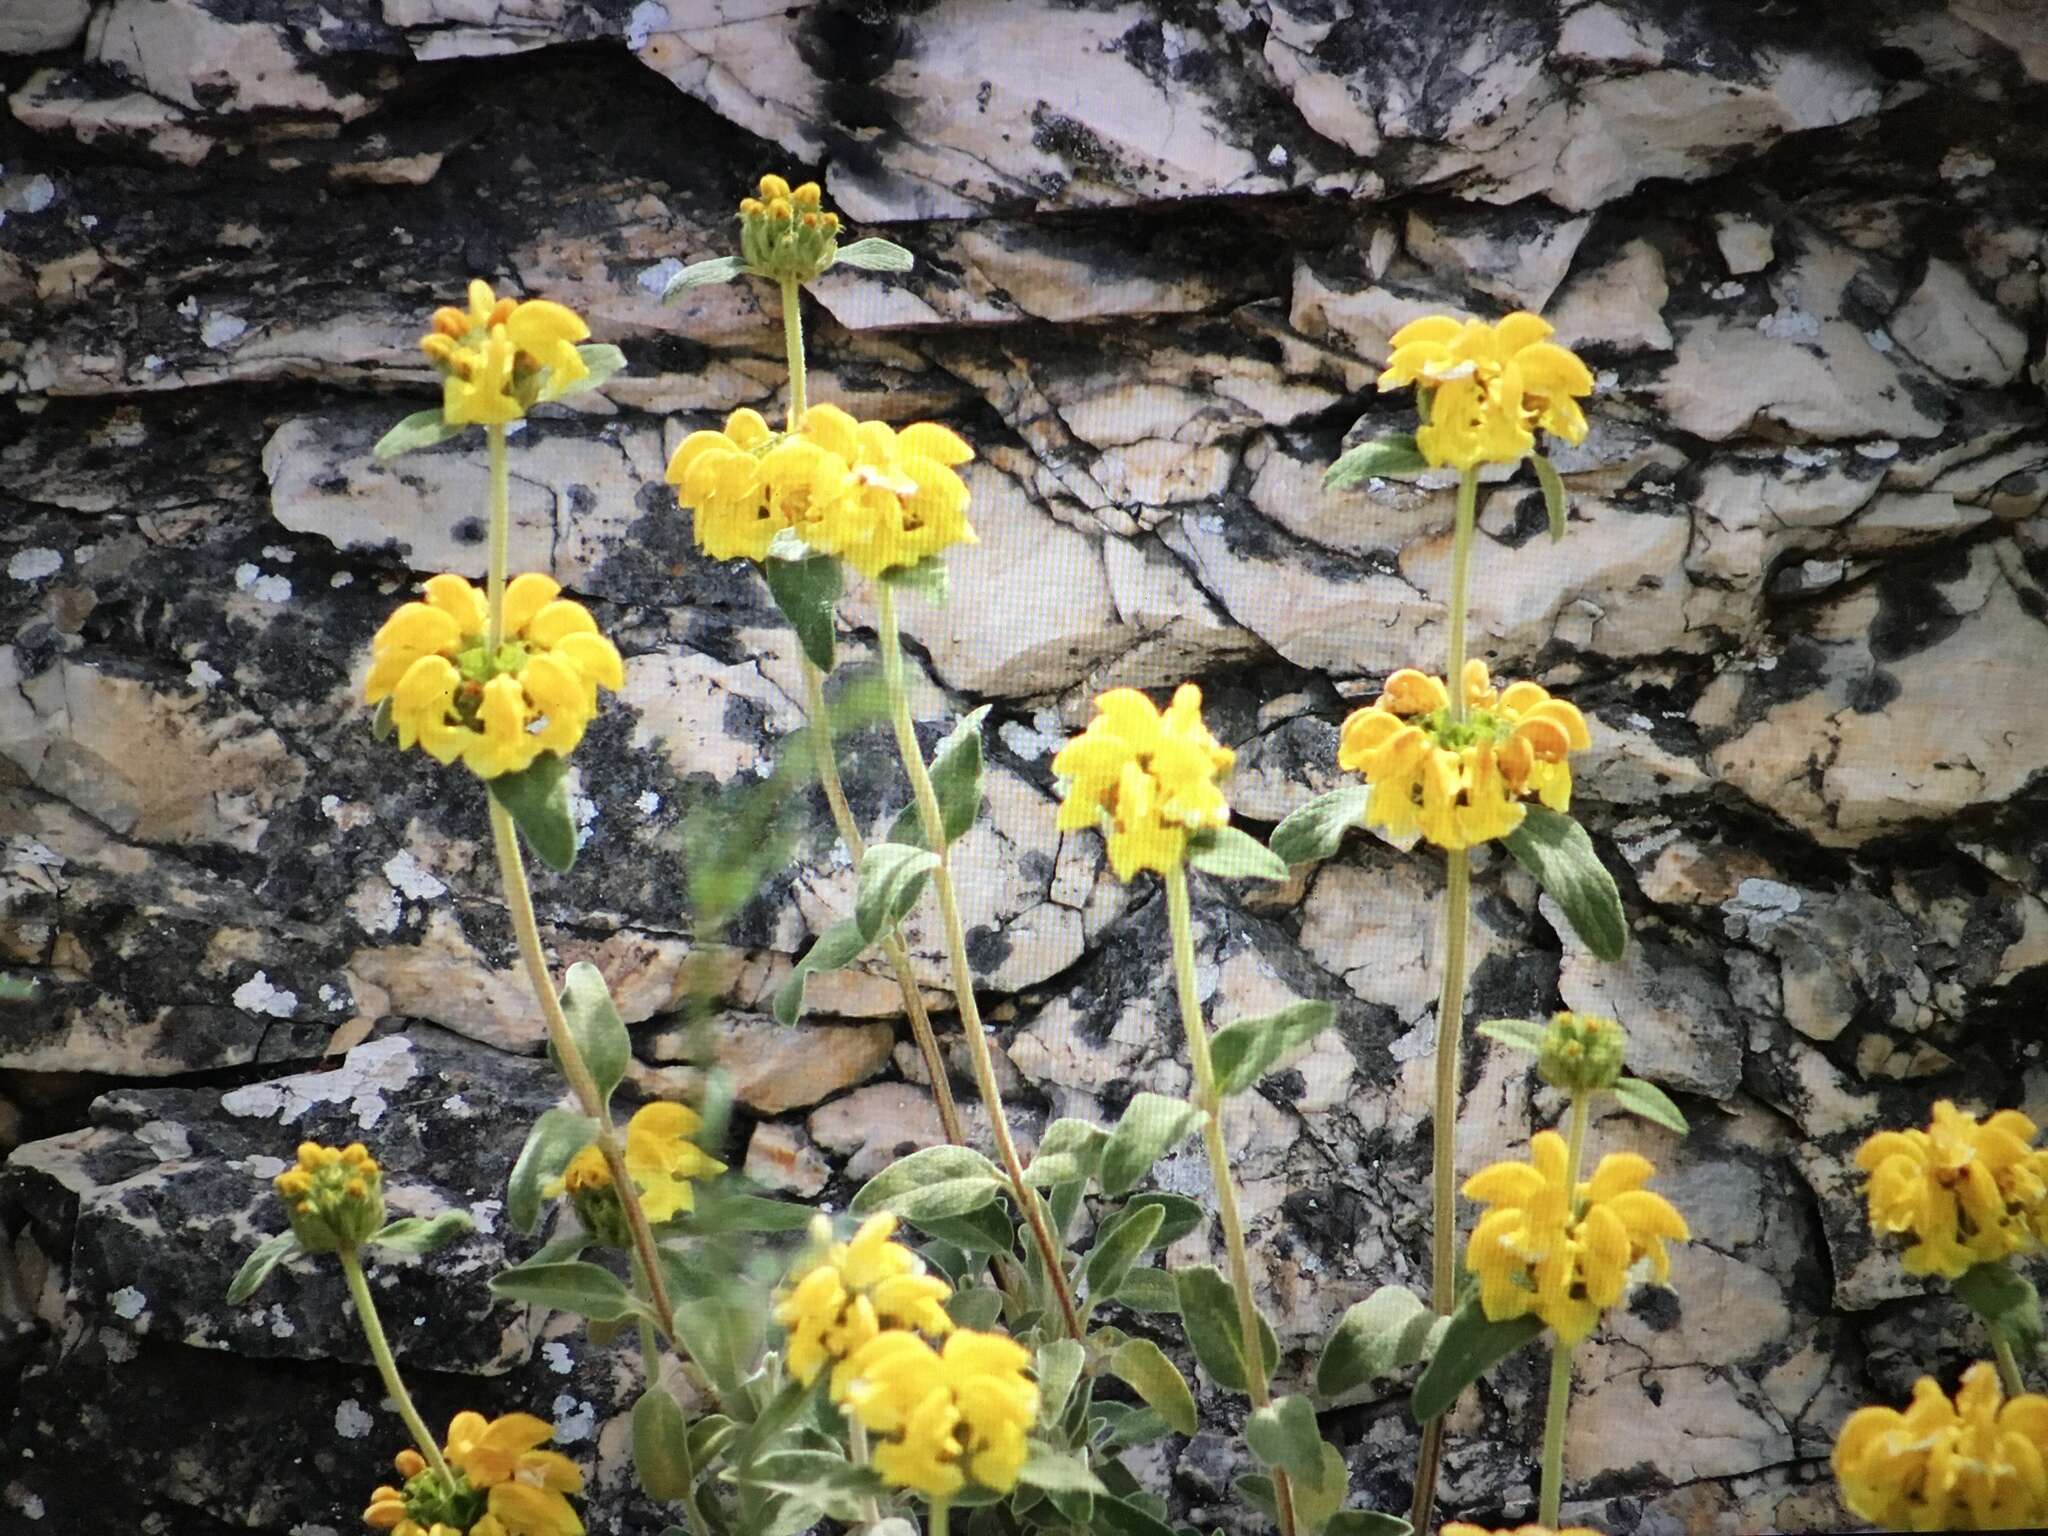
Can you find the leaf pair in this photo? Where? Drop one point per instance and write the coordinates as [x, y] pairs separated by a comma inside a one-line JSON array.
[[413, 1236]]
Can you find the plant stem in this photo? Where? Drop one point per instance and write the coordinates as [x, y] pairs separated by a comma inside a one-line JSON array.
[[1560, 1400], [956, 947], [1207, 1100], [2008, 1367], [936, 1526], [892, 942], [793, 341], [1450, 1018], [501, 537], [857, 1453], [387, 1365]]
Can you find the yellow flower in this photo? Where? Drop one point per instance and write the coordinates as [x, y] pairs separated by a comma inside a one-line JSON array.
[[505, 1485], [496, 713], [334, 1196], [845, 1294], [660, 1156], [879, 499], [1966, 1194], [1977, 1464], [500, 357], [1146, 777], [1489, 387], [945, 1415], [721, 478], [1565, 1255], [1460, 783]]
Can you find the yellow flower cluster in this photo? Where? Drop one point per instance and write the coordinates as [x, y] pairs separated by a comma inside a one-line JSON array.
[[334, 1196], [661, 1157], [505, 1484], [786, 233], [1977, 1464], [500, 357], [497, 713], [1964, 1193], [1146, 778], [1488, 387], [848, 1293], [1460, 782], [1565, 1254], [944, 1416], [875, 497]]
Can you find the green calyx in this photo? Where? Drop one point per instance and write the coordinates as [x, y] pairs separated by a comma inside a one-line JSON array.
[[788, 244], [1582, 1052], [429, 1501], [1456, 735], [478, 666], [603, 1215]]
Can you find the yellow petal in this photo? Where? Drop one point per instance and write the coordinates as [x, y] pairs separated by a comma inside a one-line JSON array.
[[525, 596]]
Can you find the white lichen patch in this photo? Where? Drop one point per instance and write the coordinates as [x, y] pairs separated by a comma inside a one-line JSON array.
[[648, 803], [556, 1353], [166, 1139], [352, 1421], [485, 1214], [260, 995], [220, 328], [35, 564], [265, 589], [412, 878], [128, 1303], [366, 1074], [202, 675], [574, 1421]]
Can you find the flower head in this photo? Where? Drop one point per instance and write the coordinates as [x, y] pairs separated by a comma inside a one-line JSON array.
[[1582, 1051], [501, 357], [1461, 782], [1979, 1463], [1565, 1254], [1963, 1193], [1488, 387], [1146, 777], [505, 1485], [495, 712], [945, 1416], [662, 1159], [785, 233], [875, 497], [334, 1196], [845, 1294]]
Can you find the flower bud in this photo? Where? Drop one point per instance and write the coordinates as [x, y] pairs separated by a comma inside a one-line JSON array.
[[773, 187], [334, 1196], [1581, 1051], [786, 235], [807, 196]]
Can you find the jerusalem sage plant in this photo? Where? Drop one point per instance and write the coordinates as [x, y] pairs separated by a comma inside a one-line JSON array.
[[950, 1356]]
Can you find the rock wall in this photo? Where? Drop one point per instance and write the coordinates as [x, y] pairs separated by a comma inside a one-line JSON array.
[[1161, 248]]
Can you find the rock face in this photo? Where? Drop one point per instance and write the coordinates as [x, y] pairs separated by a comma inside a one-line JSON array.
[[1162, 248]]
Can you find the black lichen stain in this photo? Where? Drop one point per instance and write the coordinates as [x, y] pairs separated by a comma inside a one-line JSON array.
[[1912, 611]]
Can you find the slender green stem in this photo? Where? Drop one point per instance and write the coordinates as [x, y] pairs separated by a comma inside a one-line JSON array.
[[1560, 1400], [1461, 566], [937, 1525], [2008, 1366], [1210, 1103], [387, 1365], [501, 536], [963, 974], [793, 340], [892, 942]]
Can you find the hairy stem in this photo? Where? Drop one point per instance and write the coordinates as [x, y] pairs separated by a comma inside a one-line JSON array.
[[387, 1364], [963, 976], [501, 537], [793, 341], [2008, 1366], [892, 942], [1461, 567], [1210, 1104], [1560, 1400]]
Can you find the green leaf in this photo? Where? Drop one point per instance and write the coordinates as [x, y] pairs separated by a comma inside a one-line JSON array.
[[874, 254], [661, 1447], [807, 592], [1383, 456], [1119, 1245], [1149, 1290], [985, 1230], [422, 429], [892, 876], [538, 798], [581, 1288], [1470, 1347], [956, 773], [1650, 1102], [1068, 1153], [1522, 1034], [840, 945], [595, 1026], [1366, 1522], [700, 274], [2007, 1302], [1553, 494], [1256, 1489], [1127, 1424], [1317, 1499], [1143, 1367], [557, 1136], [1284, 1434], [1390, 1329], [719, 1212], [936, 1181], [1246, 1051], [255, 1269], [418, 1236], [719, 1330], [977, 1307], [927, 579], [1122, 1517], [1317, 829], [824, 1479], [1234, 855], [1046, 1467], [1058, 1368], [1557, 851], [1182, 1215], [1152, 1126], [382, 726], [1208, 1308], [600, 361]]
